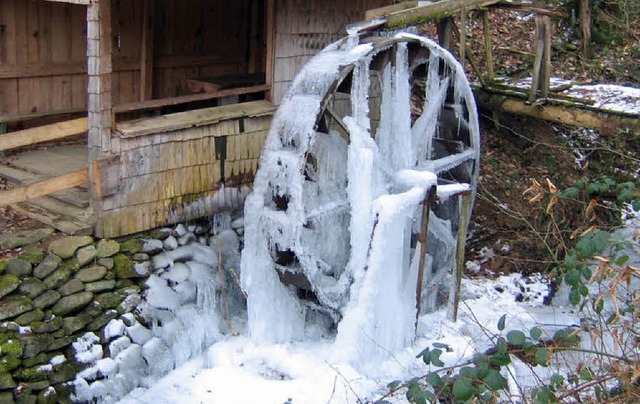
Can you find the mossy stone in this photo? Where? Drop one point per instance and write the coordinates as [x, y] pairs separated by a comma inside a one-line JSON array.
[[100, 286], [86, 255], [32, 287], [91, 274], [6, 397], [109, 300], [33, 374], [47, 266], [124, 267], [102, 320], [131, 246], [70, 287], [58, 278], [107, 248], [9, 363], [66, 247], [62, 342], [29, 317], [26, 397], [47, 396], [41, 327], [7, 382], [106, 262], [19, 267], [71, 325], [8, 283], [64, 373], [3, 265], [72, 303], [33, 255], [12, 306], [47, 299], [11, 347], [35, 344], [39, 359]]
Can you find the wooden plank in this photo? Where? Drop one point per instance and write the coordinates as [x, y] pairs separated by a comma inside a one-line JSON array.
[[43, 133], [270, 52], [200, 117], [164, 102], [42, 188], [146, 57], [36, 212], [439, 9], [72, 196], [384, 11], [81, 2]]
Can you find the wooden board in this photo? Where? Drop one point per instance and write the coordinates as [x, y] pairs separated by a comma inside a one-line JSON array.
[[200, 117], [73, 196], [41, 188], [58, 215], [45, 133], [52, 162]]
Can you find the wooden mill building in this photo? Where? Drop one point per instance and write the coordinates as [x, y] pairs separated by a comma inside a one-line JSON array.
[[158, 109]]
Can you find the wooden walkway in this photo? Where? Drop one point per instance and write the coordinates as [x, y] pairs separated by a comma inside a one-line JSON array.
[[66, 210]]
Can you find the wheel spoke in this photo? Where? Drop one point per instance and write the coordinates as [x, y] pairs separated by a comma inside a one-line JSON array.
[[448, 162]]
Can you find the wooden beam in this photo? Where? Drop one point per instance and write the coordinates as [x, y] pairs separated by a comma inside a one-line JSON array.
[[45, 133], [42, 188], [564, 113], [488, 47], [146, 58], [270, 24], [80, 2], [438, 9], [384, 11]]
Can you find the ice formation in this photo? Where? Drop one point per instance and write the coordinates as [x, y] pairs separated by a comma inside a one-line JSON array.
[[337, 201]]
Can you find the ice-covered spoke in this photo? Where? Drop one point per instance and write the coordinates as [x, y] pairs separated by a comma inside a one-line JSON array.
[[448, 162]]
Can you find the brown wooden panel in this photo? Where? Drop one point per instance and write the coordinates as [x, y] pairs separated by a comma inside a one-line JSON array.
[[8, 95], [7, 33]]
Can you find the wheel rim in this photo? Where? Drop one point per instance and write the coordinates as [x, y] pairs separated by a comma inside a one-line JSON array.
[[355, 101]]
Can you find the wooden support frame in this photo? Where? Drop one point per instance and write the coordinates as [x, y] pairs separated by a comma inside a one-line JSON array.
[[146, 57], [270, 26], [41, 134], [42, 188], [542, 63], [466, 200], [439, 8]]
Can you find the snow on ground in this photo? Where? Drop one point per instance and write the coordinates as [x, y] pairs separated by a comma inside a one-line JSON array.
[[610, 97], [239, 370]]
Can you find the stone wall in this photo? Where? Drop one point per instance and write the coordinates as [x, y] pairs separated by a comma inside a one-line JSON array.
[[85, 319]]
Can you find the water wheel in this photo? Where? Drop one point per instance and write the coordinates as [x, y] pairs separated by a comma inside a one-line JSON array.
[[369, 127]]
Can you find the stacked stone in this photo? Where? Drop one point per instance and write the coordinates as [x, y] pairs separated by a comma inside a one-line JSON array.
[[48, 300], [60, 311]]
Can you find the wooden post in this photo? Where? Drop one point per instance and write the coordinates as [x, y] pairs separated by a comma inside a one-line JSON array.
[[422, 238], [463, 225], [463, 34], [488, 47], [542, 62], [100, 102], [585, 27], [444, 32], [146, 58], [270, 26], [3, 130]]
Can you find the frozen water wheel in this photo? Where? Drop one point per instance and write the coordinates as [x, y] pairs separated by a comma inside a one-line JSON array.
[[383, 117]]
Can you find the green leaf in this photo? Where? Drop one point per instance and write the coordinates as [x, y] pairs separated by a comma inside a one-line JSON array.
[[584, 291], [543, 357], [415, 395], [501, 346], [593, 243], [571, 192], [625, 195], [462, 389], [435, 358], [482, 368], [434, 380], [516, 337], [557, 379], [544, 396], [586, 374], [501, 322], [586, 272], [494, 380], [469, 372], [575, 296], [430, 397], [622, 260], [426, 356], [500, 359], [572, 277], [636, 205], [535, 333]]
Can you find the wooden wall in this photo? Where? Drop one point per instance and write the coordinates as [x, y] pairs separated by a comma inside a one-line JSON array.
[[43, 49], [181, 166], [304, 27], [42, 57]]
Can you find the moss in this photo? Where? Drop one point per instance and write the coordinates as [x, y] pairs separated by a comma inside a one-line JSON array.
[[11, 347], [34, 256], [3, 265], [9, 363], [131, 246], [124, 267]]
